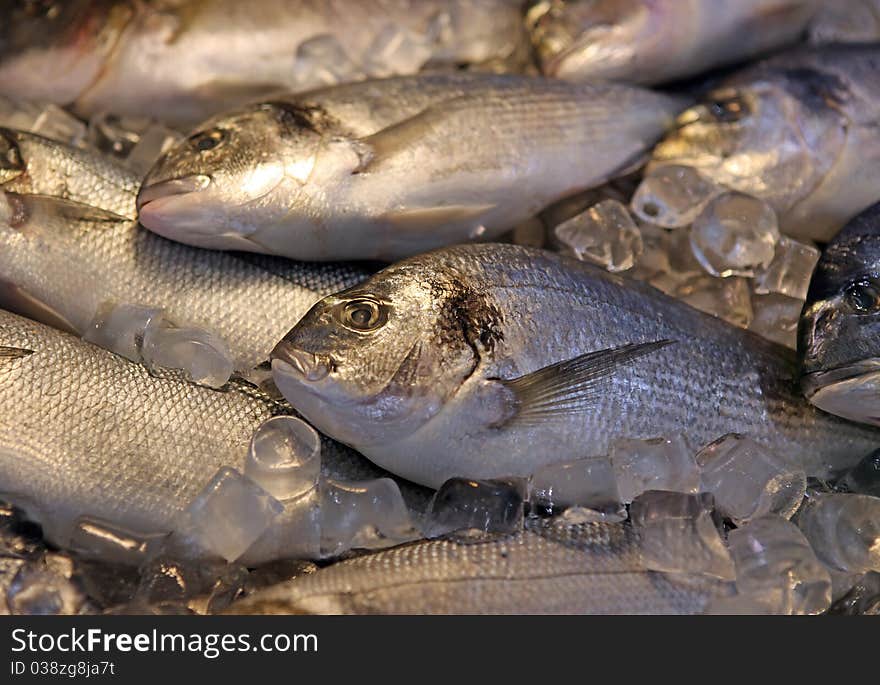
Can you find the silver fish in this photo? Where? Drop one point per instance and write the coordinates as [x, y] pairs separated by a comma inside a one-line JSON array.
[[653, 41], [549, 568], [839, 333], [181, 61], [61, 262], [798, 130], [490, 360], [34, 165], [389, 168]]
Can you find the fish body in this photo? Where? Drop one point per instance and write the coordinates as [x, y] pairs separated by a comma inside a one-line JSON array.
[[549, 568], [181, 61], [62, 262], [654, 41], [488, 360], [839, 331], [389, 168], [797, 130]]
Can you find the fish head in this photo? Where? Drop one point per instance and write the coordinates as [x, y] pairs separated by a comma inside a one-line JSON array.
[[53, 50], [374, 363], [839, 331], [579, 39], [775, 136], [236, 174], [12, 165]]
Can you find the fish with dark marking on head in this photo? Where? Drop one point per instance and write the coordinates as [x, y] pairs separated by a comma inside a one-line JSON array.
[[839, 331], [492, 360], [388, 168]]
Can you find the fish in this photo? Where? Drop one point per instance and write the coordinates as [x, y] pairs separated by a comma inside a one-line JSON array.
[[839, 329], [550, 567], [798, 130], [493, 360], [181, 61], [388, 168], [88, 433], [656, 41], [32, 164], [62, 262]]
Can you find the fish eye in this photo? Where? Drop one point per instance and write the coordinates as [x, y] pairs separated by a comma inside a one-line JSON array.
[[728, 110], [363, 315], [207, 140], [863, 296]]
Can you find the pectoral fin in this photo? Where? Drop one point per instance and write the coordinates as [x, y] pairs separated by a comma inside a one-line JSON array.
[[570, 386], [26, 205], [9, 353]]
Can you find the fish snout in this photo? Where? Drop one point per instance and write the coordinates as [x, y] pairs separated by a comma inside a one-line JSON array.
[[12, 164], [152, 192], [305, 365]]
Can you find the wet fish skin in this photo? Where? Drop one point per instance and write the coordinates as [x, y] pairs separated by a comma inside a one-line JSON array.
[[52, 168], [489, 360], [797, 130], [839, 330], [549, 568], [183, 61], [651, 42], [388, 168], [60, 263]]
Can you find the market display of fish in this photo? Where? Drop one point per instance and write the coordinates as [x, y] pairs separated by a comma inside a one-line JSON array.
[[389, 168], [492, 360], [649, 42], [549, 568], [183, 60], [568, 386], [798, 131], [839, 328]]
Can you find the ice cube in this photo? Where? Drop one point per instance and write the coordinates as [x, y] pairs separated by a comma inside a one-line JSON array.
[[776, 318], [735, 235], [229, 514], [489, 506], [678, 534], [863, 597], [120, 328], [114, 135], [363, 514], [276, 572], [654, 464], [152, 143], [864, 477], [844, 530], [776, 566], [576, 516], [225, 587], [165, 579], [295, 533], [726, 298], [53, 122], [584, 482], [396, 51], [323, 61], [204, 357], [605, 234], [284, 457], [672, 196], [749, 481], [96, 538], [790, 271], [37, 590]]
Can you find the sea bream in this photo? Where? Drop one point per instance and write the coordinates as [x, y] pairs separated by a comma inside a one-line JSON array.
[[389, 168], [68, 250], [552, 567], [798, 130], [839, 332], [653, 41], [492, 360], [183, 60]]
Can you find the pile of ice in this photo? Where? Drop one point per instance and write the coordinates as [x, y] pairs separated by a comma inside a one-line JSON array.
[[718, 250]]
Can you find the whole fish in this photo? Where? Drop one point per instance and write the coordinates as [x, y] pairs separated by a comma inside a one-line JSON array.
[[388, 168], [839, 332], [798, 130], [653, 41], [491, 360], [34, 165], [549, 568], [183, 60], [61, 261]]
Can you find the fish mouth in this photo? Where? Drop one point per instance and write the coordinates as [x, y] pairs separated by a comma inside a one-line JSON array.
[[176, 186], [851, 391], [299, 364]]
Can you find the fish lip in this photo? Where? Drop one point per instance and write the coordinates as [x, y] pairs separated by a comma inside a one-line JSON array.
[[176, 186], [304, 365], [816, 380]]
